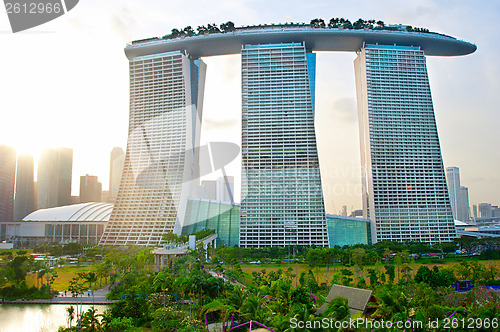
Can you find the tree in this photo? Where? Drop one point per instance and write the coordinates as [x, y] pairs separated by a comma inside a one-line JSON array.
[[188, 31], [171, 237], [89, 321], [202, 29], [71, 315], [175, 33], [91, 278], [212, 28], [338, 309], [18, 268], [359, 24], [373, 275], [389, 270], [318, 23], [334, 23], [163, 280], [227, 27]]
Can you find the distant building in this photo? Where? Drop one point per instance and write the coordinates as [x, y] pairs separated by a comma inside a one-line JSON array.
[[495, 212], [484, 210], [208, 189], [90, 189], [24, 202], [464, 214], [225, 189], [453, 181], [116, 162], [55, 169], [106, 197], [83, 223], [474, 211], [344, 211], [7, 180]]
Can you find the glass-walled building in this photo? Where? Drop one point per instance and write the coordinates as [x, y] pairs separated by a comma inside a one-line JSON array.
[[223, 217], [344, 231]]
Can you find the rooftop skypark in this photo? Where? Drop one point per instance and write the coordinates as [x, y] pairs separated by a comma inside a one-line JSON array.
[[317, 23], [339, 35]]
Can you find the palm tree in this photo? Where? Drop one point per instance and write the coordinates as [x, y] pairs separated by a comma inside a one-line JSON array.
[[164, 281], [224, 309], [91, 278], [89, 321], [40, 275], [337, 309], [71, 315], [235, 297]]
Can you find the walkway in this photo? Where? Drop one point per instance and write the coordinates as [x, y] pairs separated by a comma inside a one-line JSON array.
[[223, 277], [99, 298]]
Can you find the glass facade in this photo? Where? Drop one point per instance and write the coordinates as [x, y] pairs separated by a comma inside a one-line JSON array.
[[224, 218], [282, 202], [348, 231], [404, 187]]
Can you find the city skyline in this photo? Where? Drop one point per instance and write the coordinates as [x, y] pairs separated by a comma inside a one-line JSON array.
[[459, 85]]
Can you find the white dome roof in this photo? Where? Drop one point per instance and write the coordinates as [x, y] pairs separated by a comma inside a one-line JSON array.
[[75, 212]]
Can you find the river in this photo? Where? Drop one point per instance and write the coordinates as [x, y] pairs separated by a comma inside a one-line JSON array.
[[36, 317]]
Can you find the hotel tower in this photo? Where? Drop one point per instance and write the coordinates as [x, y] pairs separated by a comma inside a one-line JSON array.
[[403, 179]]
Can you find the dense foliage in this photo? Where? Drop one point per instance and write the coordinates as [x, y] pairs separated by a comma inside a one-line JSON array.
[[185, 296]]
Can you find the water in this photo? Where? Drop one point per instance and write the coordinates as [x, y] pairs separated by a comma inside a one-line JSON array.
[[37, 317]]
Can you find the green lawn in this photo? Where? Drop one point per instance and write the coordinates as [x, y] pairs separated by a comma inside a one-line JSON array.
[[65, 274]]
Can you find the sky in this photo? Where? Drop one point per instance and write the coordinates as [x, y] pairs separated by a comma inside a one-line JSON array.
[[65, 84]]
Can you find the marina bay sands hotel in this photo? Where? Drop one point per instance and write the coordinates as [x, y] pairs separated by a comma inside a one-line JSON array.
[[405, 196]]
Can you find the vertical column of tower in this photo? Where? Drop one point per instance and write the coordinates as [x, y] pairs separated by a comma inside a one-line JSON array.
[[282, 202], [404, 186], [161, 162]]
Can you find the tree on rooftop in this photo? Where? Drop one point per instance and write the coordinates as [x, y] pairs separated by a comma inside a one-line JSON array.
[[212, 28], [359, 24], [334, 23], [189, 31], [175, 33], [347, 24], [201, 29], [317, 23]]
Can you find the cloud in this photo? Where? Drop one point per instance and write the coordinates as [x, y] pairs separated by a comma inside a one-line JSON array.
[[345, 109], [123, 23], [210, 124]]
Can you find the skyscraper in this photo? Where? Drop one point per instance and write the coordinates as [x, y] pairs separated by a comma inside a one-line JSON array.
[[161, 162], [116, 161], [453, 180], [404, 186], [25, 192], [7, 180], [484, 210], [90, 189], [55, 169], [65, 173], [405, 193], [464, 204], [282, 202]]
